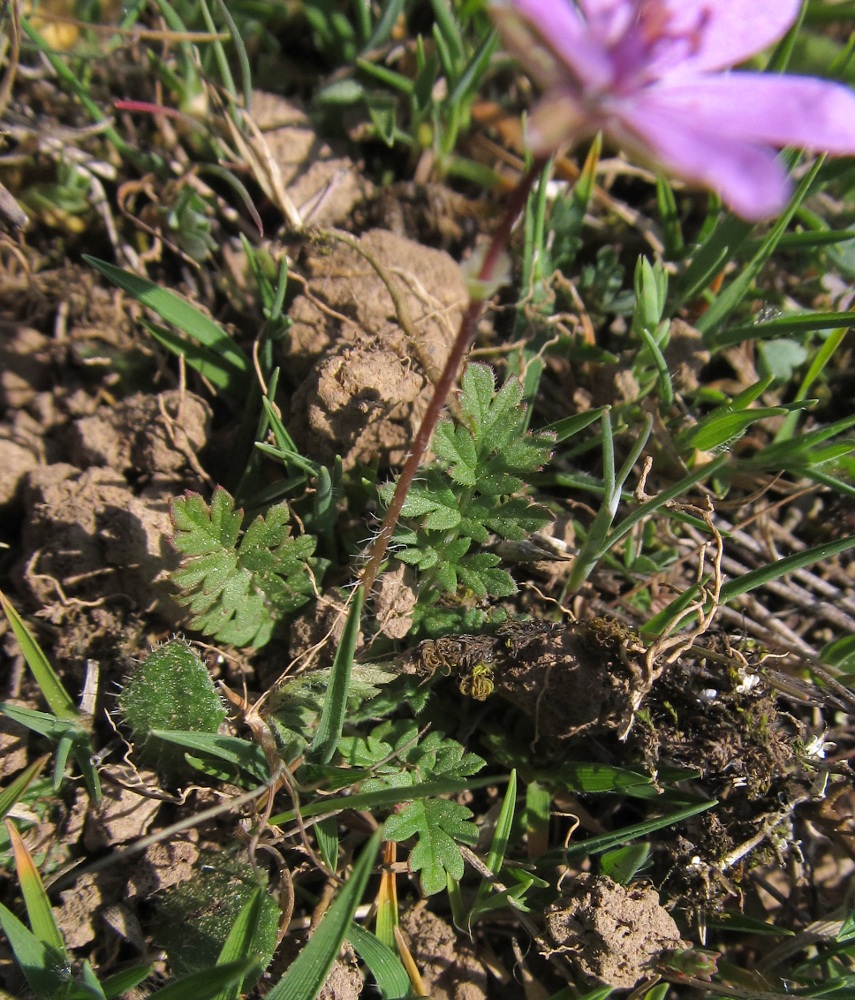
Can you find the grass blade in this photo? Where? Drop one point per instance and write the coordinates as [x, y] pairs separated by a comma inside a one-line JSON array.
[[389, 974], [10, 795], [308, 972], [175, 310], [335, 706], [58, 699], [238, 945], [35, 898]]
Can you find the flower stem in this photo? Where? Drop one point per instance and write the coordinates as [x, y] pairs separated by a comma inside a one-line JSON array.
[[465, 334]]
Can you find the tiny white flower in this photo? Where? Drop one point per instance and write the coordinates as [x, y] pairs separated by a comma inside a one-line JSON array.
[[748, 682]]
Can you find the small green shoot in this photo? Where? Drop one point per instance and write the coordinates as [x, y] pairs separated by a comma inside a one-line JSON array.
[[209, 349]]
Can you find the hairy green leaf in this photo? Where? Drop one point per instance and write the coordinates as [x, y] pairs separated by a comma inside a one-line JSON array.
[[238, 589]]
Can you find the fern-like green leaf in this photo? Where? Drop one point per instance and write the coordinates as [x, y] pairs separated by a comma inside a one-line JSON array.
[[473, 491], [399, 759], [237, 589]]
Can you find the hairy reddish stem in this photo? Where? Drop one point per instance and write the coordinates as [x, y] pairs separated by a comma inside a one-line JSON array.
[[446, 380]]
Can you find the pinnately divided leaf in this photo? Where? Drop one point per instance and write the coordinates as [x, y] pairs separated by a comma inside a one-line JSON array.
[[236, 588], [400, 759], [474, 490]]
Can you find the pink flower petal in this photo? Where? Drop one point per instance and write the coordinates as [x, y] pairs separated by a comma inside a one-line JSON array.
[[555, 24], [763, 108], [607, 20], [729, 31], [748, 176]]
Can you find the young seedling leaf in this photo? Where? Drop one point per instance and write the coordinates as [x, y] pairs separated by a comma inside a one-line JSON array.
[[10, 795]]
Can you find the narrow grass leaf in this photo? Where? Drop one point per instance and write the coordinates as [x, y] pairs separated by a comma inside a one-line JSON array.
[[734, 293], [606, 841], [201, 359], [651, 506], [335, 706], [123, 982], [623, 863], [306, 975], [208, 983], [89, 986], [782, 326], [175, 310], [784, 567], [236, 752], [825, 353], [36, 899], [385, 966], [664, 619], [10, 795], [382, 798], [499, 843], [56, 696], [391, 11], [47, 972], [326, 834], [238, 945], [42, 723], [569, 426]]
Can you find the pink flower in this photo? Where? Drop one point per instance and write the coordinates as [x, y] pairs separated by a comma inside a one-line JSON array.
[[647, 74]]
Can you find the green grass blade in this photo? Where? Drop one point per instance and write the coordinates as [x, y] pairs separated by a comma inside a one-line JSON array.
[[385, 797], [233, 751], [208, 983], [784, 567], [58, 699], [713, 255], [499, 844], [47, 972], [651, 506], [734, 293], [243, 58], [326, 739], [175, 310], [623, 863], [820, 360], [75, 86], [238, 945], [389, 974], [39, 911], [326, 834], [42, 723], [122, 982], [606, 841], [89, 986], [781, 326], [391, 11], [306, 975]]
